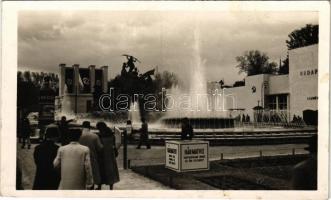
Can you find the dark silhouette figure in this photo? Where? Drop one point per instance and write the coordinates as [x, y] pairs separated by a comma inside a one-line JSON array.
[[108, 165], [243, 119], [123, 71], [305, 173], [19, 185], [187, 130], [144, 135], [130, 63], [248, 118], [135, 72], [26, 132], [64, 133], [47, 178], [92, 141]]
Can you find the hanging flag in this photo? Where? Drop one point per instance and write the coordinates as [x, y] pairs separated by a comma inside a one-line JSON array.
[[98, 78], [85, 80], [69, 79]]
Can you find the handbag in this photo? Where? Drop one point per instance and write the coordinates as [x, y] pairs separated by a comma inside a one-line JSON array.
[[115, 152]]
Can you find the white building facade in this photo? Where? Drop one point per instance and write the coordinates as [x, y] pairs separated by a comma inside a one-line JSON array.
[[287, 95]]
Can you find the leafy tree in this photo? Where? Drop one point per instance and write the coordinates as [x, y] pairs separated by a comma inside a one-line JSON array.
[[305, 36], [28, 88], [284, 66], [254, 62], [165, 80]]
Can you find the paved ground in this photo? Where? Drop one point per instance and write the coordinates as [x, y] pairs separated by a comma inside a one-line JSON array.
[[128, 179], [156, 155]]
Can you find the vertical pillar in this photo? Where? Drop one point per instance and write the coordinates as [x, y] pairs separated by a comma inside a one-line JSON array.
[[105, 79], [288, 108], [92, 77], [62, 79], [76, 85], [76, 78]]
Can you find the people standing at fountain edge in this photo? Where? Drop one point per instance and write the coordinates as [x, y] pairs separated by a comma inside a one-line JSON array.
[[74, 162], [187, 130], [144, 135], [243, 119], [64, 126], [108, 165], [93, 142], [26, 132], [248, 118], [305, 173], [47, 177]]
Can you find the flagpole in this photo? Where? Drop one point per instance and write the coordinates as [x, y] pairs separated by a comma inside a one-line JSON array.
[[76, 99], [76, 82]]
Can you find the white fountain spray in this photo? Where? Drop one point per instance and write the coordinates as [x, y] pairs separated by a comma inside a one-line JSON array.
[[134, 114], [198, 84]]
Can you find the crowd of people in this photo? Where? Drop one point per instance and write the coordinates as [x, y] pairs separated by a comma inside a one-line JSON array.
[[76, 158]]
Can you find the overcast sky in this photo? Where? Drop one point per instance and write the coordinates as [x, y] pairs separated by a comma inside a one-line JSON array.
[[164, 39]]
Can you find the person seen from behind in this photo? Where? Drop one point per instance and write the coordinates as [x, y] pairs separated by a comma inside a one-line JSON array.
[[144, 135], [73, 160], [93, 142], [47, 178], [187, 130], [108, 163]]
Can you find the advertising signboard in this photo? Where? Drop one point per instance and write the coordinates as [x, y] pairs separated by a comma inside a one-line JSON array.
[[187, 155]]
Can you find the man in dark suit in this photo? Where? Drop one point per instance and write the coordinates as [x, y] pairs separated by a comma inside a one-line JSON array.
[[144, 135], [26, 132], [187, 130], [63, 127], [47, 177]]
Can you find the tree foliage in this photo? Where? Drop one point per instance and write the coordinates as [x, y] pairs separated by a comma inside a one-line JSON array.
[[132, 85], [304, 36], [254, 62], [28, 88], [165, 80], [284, 66]]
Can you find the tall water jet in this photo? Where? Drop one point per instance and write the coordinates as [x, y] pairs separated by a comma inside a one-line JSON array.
[[198, 84], [134, 114], [199, 112], [67, 109]]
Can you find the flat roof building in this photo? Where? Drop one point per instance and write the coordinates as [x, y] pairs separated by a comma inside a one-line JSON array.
[[79, 86], [287, 95]]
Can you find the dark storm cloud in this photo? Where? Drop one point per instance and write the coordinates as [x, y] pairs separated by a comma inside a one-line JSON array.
[[163, 39]]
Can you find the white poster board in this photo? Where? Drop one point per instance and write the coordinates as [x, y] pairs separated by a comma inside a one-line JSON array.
[[187, 155]]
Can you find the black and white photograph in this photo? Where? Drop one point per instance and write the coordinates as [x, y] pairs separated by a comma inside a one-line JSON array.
[[169, 99]]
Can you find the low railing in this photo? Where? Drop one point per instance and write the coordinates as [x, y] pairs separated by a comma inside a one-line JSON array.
[[270, 124], [222, 155]]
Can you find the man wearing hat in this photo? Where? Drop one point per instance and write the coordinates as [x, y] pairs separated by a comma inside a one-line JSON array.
[[73, 160], [92, 141], [305, 173], [47, 178]]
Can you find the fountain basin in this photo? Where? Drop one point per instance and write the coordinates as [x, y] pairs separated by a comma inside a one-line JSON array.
[[200, 122]]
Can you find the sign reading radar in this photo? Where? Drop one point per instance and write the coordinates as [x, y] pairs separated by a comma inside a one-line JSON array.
[[187, 155]]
